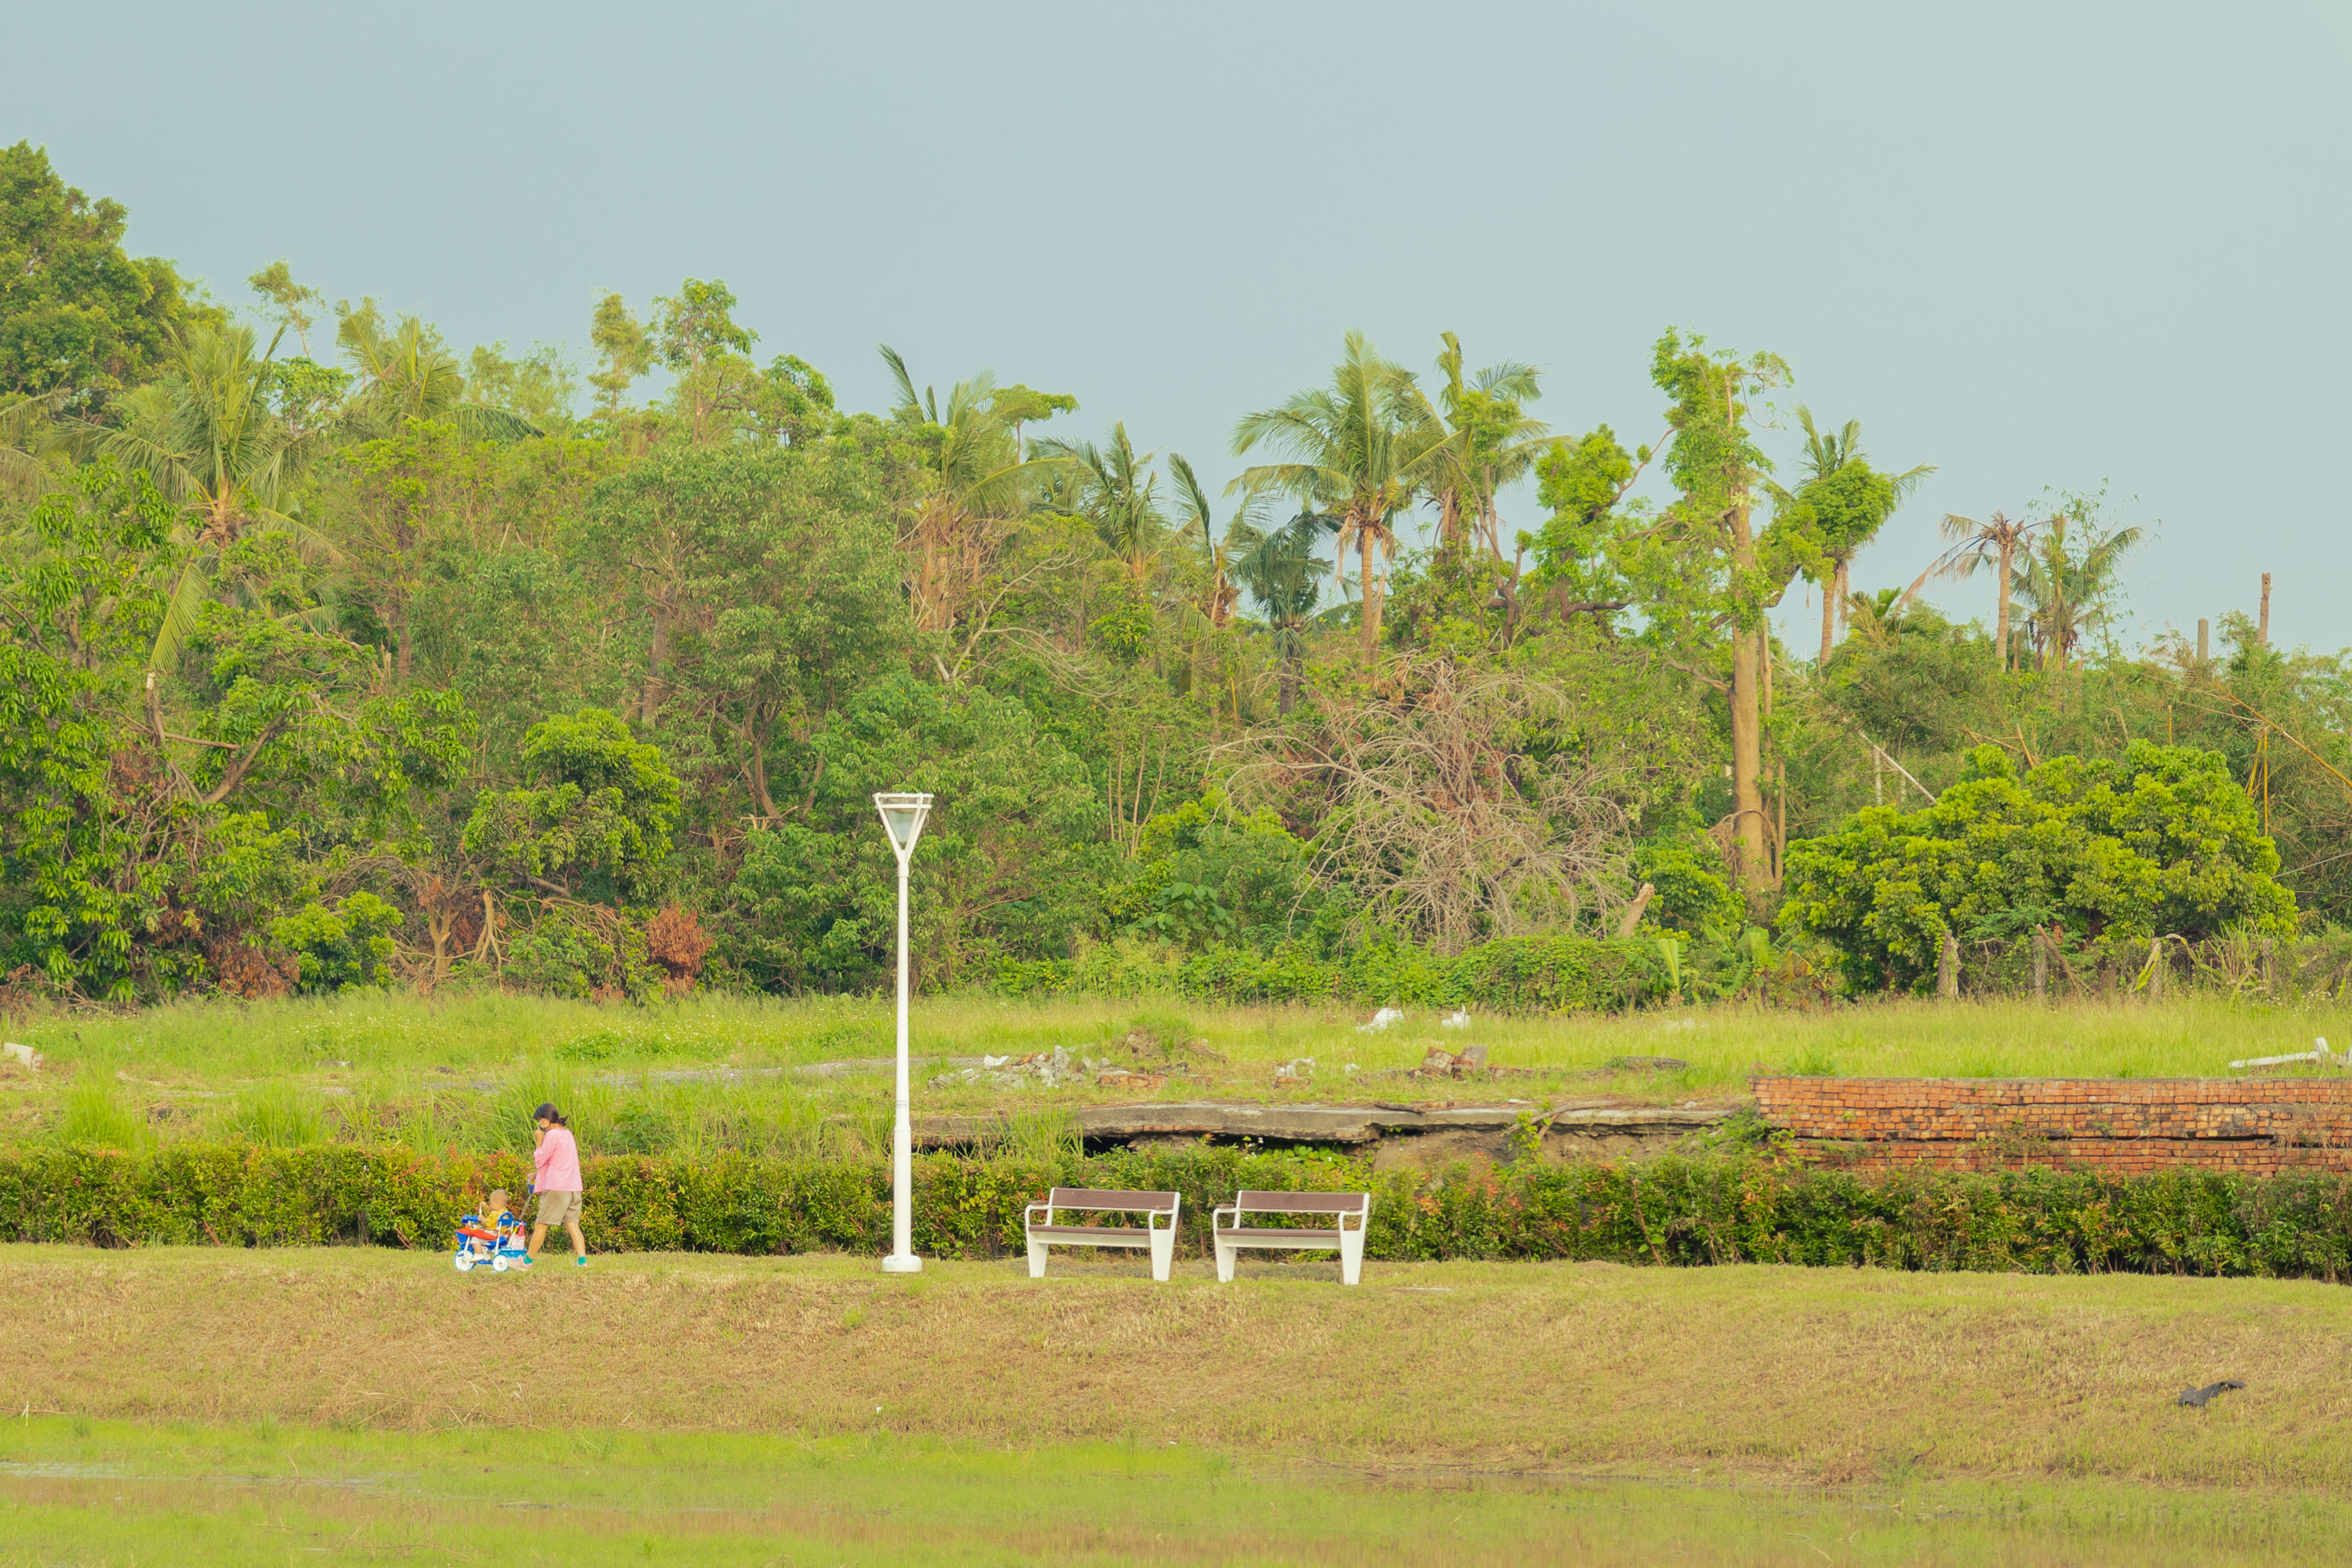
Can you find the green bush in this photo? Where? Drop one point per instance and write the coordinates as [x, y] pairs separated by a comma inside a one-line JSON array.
[[341, 947], [2162, 842], [1677, 1211]]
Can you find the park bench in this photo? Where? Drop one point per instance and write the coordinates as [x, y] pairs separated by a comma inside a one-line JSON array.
[[1229, 1224], [1155, 1208]]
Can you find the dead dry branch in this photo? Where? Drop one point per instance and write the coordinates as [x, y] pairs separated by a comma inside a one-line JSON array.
[[1443, 808]]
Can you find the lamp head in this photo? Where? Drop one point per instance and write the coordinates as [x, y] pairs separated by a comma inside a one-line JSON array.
[[902, 819]]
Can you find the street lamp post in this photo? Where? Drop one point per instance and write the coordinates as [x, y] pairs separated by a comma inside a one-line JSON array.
[[902, 818]]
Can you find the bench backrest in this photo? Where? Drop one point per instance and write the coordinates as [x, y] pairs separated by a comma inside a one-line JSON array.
[[1303, 1202], [1131, 1203]]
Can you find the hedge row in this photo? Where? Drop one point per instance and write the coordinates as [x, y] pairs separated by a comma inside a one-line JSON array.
[[1514, 975], [1670, 1211]]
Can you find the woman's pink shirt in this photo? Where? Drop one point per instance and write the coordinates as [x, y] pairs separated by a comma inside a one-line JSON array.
[[557, 1161]]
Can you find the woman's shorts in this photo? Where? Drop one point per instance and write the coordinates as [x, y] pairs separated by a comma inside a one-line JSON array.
[[554, 1208]]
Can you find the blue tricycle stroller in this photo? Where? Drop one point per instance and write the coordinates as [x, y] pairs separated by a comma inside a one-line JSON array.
[[496, 1240]]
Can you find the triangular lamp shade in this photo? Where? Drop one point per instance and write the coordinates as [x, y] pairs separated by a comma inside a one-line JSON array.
[[902, 818]]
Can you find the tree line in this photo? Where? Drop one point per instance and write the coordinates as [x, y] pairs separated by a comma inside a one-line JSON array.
[[334, 657]]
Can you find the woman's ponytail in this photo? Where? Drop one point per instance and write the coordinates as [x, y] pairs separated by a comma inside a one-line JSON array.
[[546, 1112]]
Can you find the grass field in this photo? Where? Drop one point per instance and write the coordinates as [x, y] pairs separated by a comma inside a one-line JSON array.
[[200, 1407], [1814, 1376], [89, 1493], [464, 1070]]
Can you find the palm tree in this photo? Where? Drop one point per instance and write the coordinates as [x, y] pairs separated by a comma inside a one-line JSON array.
[[206, 438], [1284, 576], [407, 373], [1850, 502], [1972, 545], [1490, 442], [1214, 602], [1116, 491], [33, 429], [976, 485], [1361, 449], [2068, 594]]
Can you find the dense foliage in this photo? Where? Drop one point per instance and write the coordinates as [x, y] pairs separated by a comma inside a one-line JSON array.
[[2159, 842], [1675, 1211], [406, 670]]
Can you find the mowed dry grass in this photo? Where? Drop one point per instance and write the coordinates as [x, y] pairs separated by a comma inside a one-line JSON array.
[[1828, 1375]]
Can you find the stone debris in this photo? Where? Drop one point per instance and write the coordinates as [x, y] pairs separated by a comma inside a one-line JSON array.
[[1471, 1060], [2318, 1055], [27, 1054], [1300, 1071], [1381, 1020], [1648, 1064], [1037, 1070]]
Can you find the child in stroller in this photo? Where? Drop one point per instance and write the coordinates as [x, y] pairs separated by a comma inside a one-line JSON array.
[[493, 1235]]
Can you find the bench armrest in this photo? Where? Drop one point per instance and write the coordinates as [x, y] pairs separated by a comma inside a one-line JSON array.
[[1029, 1215]]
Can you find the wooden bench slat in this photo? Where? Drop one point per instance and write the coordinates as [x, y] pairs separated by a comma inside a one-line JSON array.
[[1096, 1198], [1304, 1233], [1302, 1202], [1135, 1233]]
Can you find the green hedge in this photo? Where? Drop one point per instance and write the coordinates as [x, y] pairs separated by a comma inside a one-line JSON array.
[[1668, 1211], [1516, 975]]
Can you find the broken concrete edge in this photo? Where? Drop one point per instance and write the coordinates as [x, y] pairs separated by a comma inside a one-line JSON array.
[[1326, 1124]]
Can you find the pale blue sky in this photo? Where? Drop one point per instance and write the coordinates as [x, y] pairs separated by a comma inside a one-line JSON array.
[[2035, 245]]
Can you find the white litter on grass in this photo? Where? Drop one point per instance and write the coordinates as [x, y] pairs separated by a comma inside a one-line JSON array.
[[1302, 1067], [1382, 1020], [1460, 1020], [1680, 1023], [2319, 1053]]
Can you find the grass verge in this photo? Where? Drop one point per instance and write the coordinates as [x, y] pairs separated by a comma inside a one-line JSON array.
[[1816, 1376]]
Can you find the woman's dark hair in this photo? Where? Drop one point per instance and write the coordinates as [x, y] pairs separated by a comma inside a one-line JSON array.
[[546, 1112]]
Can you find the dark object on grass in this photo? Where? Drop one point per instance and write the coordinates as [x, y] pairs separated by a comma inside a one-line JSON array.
[[2198, 1396], [1648, 1064]]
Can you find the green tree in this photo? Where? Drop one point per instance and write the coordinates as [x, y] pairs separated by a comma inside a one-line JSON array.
[[972, 489], [76, 312], [2158, 842], [1491, 442], [1008, 867], [1844, 502], [594, 820], [1359, 451], [1702, 571], [207, 435]]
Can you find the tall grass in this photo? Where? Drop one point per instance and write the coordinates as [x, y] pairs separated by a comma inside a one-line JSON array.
[[93, 1115], [719, 1072]]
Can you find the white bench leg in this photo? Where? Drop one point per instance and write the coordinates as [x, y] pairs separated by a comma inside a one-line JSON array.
[[1163, 1253], [1225, 1256], [1351, 1257], [1036, 1260]]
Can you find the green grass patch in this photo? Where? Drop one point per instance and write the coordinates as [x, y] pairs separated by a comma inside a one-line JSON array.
[[118, 1493]]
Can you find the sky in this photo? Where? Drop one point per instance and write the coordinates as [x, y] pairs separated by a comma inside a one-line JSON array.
[[2043, 247]]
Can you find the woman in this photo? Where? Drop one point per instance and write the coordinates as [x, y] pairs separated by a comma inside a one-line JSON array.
[[557, 1161]]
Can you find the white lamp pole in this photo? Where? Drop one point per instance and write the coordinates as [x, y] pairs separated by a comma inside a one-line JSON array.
[[902, 818]]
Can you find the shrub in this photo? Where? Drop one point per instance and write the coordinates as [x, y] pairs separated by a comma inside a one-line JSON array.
[[1676, 1211], [342, 947], [2159, 842]]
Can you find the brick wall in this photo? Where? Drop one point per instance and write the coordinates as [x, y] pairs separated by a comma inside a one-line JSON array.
[[2258, 1126]]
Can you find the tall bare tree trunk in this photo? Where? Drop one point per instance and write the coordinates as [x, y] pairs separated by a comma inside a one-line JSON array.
[[1829, 611], [1371, 598], [399, 629], [1747, 728], [649, 703], [2001, 599]]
